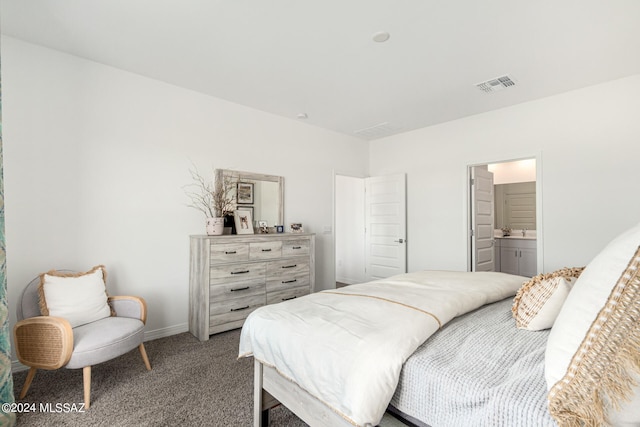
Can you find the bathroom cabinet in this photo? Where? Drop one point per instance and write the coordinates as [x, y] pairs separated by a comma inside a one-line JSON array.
[[518, 256]]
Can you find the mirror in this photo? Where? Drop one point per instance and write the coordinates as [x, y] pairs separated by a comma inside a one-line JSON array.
[[515, 205], [262, 194]]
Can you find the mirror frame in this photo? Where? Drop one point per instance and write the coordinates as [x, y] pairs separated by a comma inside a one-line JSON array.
[[240, 175]]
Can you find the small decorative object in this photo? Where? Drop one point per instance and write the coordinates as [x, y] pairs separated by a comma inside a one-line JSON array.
[[229, 224], [215, 226], [264, 228], [279, 228], [244, 193], [506, 231], [244, 223], [214, 200], [296, 227]]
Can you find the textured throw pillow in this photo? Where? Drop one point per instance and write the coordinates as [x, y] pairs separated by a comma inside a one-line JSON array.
[[592, 360], [539, 300], [78, 297]]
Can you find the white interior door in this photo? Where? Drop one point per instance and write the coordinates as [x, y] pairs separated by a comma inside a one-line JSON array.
[[385, 226], [482, 214]]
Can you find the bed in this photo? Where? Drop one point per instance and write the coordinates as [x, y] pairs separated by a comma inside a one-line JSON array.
[[459, 393], [442, 349]]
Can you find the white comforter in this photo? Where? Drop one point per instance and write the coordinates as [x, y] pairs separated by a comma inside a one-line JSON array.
[[346, 347]]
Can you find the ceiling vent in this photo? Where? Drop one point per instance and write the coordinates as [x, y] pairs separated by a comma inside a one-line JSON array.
[[378, 131], [497, 84]]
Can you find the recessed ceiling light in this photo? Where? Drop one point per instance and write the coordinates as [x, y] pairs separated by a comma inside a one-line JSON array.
[[381, 36], [302, 115]]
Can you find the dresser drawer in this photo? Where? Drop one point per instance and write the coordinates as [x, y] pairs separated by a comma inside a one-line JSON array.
[[233, 310], [236, 305], [265, 250], [229, 252], [294, 280], [287, 294], [236, 273], [236, 290], [295, 247], [287, 267]]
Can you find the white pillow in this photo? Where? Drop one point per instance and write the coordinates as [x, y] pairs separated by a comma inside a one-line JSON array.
[[592, 358], [78, 297], [539, 300]]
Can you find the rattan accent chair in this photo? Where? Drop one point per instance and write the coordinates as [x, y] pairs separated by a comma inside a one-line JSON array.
[[47, 342]]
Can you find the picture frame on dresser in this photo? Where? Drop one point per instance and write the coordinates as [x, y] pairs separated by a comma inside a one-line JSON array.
[[244, 221], [296, 227]]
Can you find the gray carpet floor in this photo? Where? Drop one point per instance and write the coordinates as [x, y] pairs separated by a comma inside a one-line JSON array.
[[192, 383]]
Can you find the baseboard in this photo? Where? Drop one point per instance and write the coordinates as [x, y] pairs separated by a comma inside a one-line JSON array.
[[166, 332], [16, 366], [349, 280]]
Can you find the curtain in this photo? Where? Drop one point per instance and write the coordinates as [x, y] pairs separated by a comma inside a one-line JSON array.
[[6, 380]]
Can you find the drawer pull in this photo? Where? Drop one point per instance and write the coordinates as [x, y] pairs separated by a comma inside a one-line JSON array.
[[240, 272], [229, 252], [240, 289], [266, 250], [240, 309], [297, 247], [287, 299], [289, 266], [290, 281]]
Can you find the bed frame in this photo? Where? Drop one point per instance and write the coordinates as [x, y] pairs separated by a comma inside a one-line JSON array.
[[271, 389]]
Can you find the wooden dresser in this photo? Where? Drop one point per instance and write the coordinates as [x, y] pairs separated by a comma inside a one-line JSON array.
[[230, 276]]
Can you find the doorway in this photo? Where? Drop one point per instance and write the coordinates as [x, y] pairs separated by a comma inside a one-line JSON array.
[[370, 227], [349, 229], [505, 227]]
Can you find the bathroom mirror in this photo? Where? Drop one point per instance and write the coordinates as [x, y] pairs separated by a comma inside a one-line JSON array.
[[515, 205], [261, 194]]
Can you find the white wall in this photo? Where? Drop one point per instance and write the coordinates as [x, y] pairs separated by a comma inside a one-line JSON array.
[[588, 144], [95, 159], [349, 229]]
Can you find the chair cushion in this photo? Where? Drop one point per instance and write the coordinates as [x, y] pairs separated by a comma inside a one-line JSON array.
[[78, 297], [104, 340]]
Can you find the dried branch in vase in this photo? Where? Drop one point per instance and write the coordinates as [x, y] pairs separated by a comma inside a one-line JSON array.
[[213, 199]]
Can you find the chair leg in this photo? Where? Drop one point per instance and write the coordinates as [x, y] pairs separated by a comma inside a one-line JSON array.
[[27, 382], [86, 374], [145, 359]]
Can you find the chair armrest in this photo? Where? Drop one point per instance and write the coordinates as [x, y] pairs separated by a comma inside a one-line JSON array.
[[129, 306], [44, 342]]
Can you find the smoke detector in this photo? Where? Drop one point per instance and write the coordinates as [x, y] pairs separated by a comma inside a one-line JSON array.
[[381, 36], [497, 84]]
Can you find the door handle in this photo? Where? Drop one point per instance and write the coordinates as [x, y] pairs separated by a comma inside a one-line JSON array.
[[399, 241]]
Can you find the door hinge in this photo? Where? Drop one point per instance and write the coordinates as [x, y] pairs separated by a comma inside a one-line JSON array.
[[471, 233], [472, 181]]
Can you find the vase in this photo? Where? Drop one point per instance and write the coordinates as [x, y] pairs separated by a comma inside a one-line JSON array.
[[229, 225], [215, 226]]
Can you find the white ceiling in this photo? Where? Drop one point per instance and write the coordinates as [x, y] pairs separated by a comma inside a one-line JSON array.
[[318, 57]]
